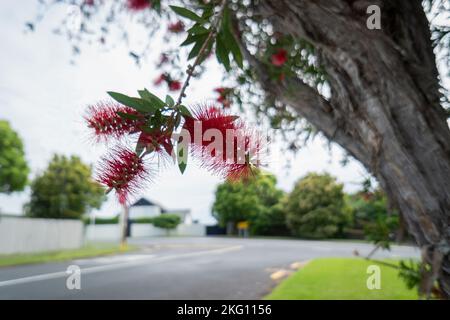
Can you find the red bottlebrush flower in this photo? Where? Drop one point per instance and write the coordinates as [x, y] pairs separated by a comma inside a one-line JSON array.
[[137, 5], [210, 117], [176, 27], [124, 171], [174, 85], [104, 118], [241, 148], [247, 155], [160, 79], [280, 58]]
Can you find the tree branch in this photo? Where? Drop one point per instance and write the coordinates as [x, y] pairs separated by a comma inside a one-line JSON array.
[[211, 35], [309, 104]]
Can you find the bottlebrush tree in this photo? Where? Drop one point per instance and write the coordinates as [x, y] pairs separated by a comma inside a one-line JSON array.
[[309, 66]]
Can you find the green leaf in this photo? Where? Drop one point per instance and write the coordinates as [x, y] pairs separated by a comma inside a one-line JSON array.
[[197, 47], [185, 111], [128, 116], [232, 44], [229, 39], [198, 29], [187, 14], [192, 38], [135, 103], [140, 147], [182, 154], [152, 99], [222, 53], [169, 101]]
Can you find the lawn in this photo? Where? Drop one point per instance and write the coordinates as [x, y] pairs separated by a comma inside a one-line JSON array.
[[340, 278], [52, 256]]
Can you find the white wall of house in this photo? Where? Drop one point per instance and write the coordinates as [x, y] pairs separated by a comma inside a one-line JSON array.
[[24, 235], [183, 230], [144, 212], [112, 232]]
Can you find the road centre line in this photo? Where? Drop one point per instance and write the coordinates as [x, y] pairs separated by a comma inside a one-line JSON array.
[[116, 266]]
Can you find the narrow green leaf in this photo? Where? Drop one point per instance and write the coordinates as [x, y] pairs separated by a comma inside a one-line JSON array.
[[135, 103], [128, 116], [185, 111], [196, 49], [169, 101], [139, 145], [233, 46], [186, 13], [182, 154], [222, 53], [229, 39], [156, 102], [198, 29]]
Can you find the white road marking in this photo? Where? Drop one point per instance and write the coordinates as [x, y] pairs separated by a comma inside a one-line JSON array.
[[112, 259], [116, 266]]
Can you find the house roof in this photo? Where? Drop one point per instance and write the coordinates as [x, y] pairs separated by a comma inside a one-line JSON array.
[[142, 202], [145, 202]]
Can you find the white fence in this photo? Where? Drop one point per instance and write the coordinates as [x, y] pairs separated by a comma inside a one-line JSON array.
[[22, 235], [112, 232], [103, 232], [25, 235]]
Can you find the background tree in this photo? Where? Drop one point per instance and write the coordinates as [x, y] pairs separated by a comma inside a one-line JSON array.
[[13, 166], [316, 207], [256, 200], [375, 92], [166, 221], [65, 190], [371, 214]]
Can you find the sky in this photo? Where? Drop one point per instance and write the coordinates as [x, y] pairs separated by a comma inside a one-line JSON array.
[[44, 97]]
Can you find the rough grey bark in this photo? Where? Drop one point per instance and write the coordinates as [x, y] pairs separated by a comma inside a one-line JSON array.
[[384, 108]]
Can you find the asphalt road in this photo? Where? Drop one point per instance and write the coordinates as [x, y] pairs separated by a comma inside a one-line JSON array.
[[179, 268]]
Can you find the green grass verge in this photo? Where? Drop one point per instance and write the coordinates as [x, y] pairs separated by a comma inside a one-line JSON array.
[[341, 278], [63, 255]]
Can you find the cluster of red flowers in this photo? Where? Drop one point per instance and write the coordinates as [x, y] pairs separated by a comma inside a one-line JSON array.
[[137, 5], [235, 157], [124, 171], [238, 151], [104, 118], [173, 85], [176, 27], [223, 96], [279, 58]]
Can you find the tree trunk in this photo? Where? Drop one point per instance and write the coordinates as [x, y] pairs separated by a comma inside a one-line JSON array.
[[384, 107], [123, 240]]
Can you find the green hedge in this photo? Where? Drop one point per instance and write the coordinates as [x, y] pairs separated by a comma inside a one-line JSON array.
[[114, 220]]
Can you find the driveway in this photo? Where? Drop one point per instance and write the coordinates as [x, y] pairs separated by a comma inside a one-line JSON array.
[[180, 268]]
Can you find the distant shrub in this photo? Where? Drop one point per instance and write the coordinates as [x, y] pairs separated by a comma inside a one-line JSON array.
[[142, 220], [110, 220], [166, 221]]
